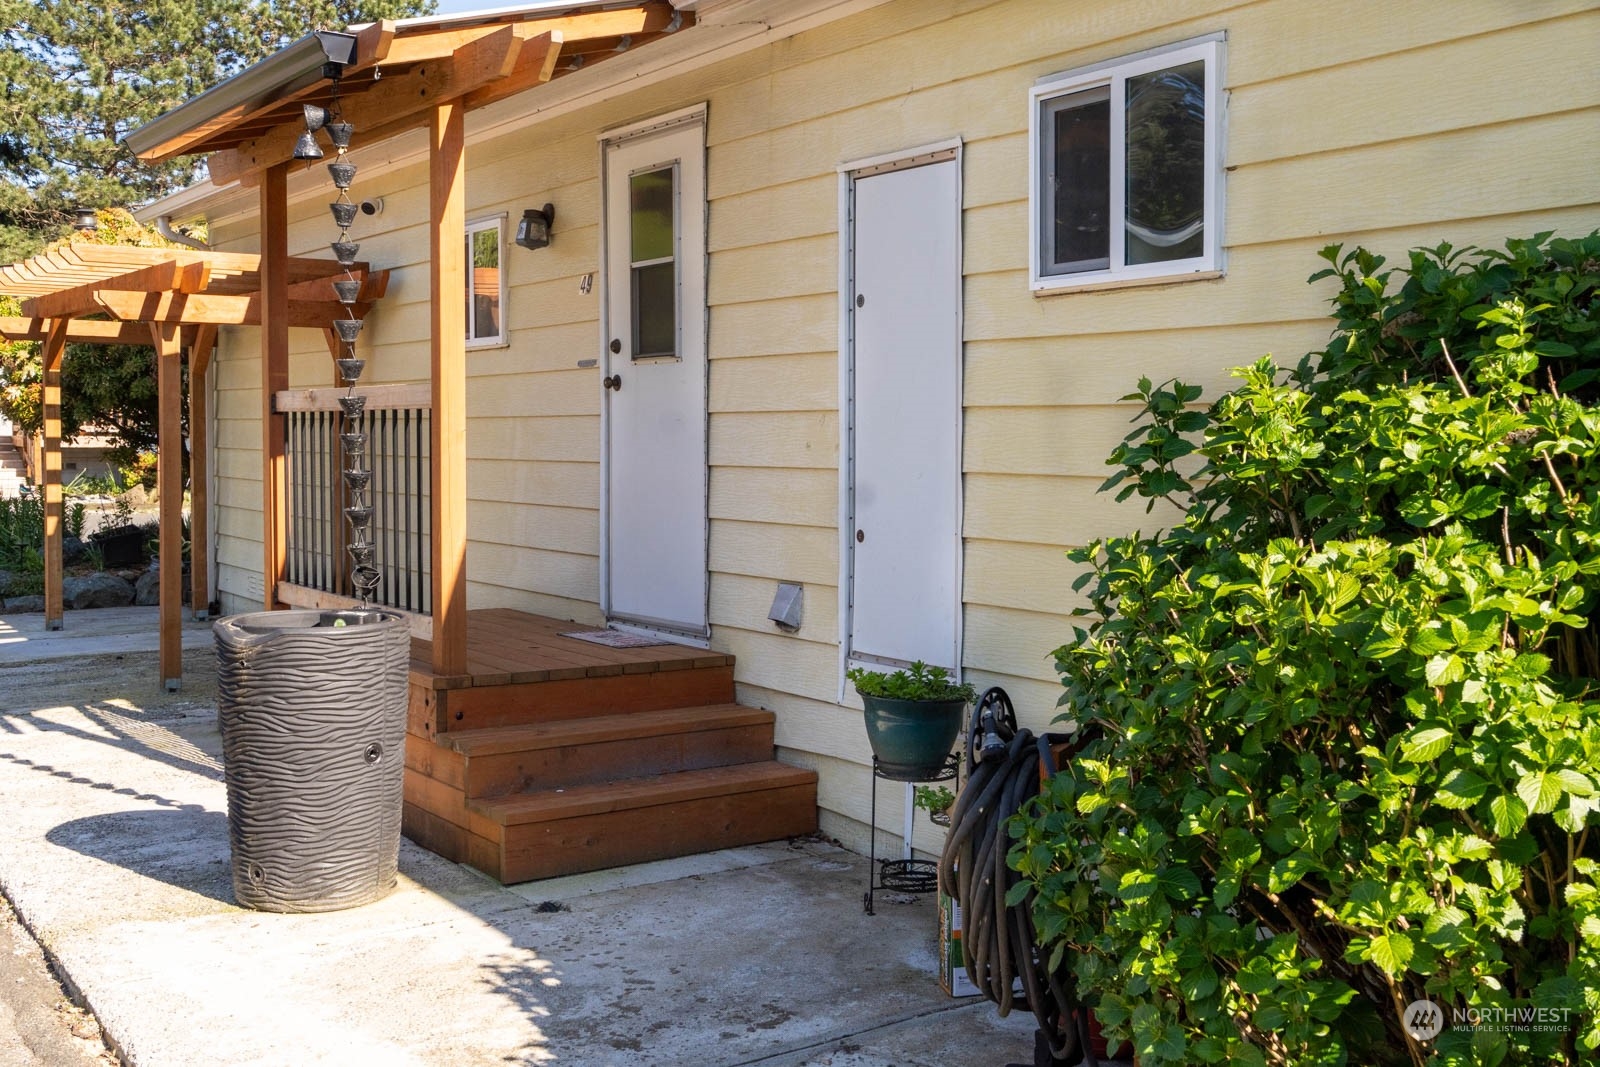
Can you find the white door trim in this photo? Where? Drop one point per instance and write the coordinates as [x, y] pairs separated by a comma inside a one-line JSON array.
[[655, 124], [937, 152], [694, 115]]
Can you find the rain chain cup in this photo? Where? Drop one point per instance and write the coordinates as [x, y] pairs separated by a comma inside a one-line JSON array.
[[364, 574]]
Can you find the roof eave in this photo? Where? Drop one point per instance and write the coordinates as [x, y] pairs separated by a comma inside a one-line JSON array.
[[290, 68]]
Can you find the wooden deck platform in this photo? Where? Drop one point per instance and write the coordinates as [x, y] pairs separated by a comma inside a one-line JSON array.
[[555, 755], [506, 647]]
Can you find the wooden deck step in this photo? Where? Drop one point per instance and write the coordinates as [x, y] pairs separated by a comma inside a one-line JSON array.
[[574, 752], [590, 827]]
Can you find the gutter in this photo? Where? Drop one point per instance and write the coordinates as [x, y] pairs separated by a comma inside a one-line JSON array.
[[291, 68]]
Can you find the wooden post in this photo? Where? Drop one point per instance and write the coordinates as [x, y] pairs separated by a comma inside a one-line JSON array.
[[55, 344], [199, 469], [447, 202], [274, 377], [169, 449]]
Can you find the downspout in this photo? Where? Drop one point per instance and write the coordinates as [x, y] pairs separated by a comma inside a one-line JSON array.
[[164, 228]]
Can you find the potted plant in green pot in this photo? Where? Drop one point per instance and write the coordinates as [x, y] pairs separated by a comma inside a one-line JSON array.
[[912, 718], [936, 801]]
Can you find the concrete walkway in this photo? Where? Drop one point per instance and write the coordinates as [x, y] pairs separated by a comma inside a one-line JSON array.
[[116, 857], [100, 631]]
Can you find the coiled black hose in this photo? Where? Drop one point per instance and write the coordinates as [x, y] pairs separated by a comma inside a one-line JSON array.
[[998, 943]]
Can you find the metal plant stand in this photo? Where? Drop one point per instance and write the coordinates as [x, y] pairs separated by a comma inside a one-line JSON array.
[[905, 875]]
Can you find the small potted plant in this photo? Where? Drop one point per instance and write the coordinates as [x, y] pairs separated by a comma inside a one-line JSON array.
[[912, 718], [936, 801]]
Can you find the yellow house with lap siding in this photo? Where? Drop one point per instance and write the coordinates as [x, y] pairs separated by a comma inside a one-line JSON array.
[[837, 294]]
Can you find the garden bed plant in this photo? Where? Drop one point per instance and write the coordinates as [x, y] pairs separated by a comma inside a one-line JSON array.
[[1349, 758]]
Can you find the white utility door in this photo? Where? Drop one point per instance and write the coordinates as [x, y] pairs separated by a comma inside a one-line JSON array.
[[655, 380], [905, 430]]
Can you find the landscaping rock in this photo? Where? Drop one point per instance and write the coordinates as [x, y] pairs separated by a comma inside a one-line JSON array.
[[5, 582], [18, 604], [72, 550], [147, 590], [96, 591]]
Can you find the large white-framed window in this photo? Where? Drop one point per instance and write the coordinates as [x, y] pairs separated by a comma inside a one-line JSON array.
[[486, 282], [1126, 169]]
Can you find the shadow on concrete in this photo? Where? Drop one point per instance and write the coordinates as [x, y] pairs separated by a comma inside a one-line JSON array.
[[144, 735], [183, 845]]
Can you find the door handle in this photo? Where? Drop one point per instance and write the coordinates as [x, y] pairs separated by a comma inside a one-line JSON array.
[[612, 381]]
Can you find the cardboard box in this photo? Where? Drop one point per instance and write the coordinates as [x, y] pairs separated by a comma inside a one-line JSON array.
[[952, 964]]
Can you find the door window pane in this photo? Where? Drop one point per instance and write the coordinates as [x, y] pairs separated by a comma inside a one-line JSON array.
[[652, 199], [1081, 166], [655, 310], [1166, 180]]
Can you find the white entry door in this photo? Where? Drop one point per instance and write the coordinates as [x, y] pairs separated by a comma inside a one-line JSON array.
[[904, 539], [655, 380]]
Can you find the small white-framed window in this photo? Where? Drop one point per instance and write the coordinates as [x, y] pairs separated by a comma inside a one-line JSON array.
[[1126, 169], [486, 282]]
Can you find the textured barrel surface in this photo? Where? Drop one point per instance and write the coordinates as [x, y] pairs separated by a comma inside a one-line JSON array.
[[313, 738]]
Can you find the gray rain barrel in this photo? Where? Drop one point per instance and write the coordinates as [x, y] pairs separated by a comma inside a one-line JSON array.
[[313, 717]]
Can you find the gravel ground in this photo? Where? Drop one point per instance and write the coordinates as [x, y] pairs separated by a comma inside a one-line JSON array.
[[118, 679]]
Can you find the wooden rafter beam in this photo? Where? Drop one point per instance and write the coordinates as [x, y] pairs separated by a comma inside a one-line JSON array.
[[301, 268], [79, 331], [535, 65], [67, 281], [173, 276], [390, 101], [373, 287], [595, 25], [221, 310]]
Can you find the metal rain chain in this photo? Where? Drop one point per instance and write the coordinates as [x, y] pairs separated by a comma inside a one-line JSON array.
[[364, 574]]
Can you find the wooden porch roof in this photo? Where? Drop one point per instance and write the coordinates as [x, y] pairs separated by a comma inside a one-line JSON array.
[[397, 73]]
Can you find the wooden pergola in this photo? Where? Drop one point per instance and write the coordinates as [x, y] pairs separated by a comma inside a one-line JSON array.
[[173, 299], [392, 77]]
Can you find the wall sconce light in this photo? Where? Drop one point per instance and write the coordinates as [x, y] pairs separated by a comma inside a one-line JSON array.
[[534, 229], [84, 220]]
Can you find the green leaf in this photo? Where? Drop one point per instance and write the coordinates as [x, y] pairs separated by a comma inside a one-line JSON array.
[[1461, 788], [1289, 870], [1575, 783], [1425, 743], [1508, 814], [1540, 791], [1392, 952], [1442, 670], [1180, 883]]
